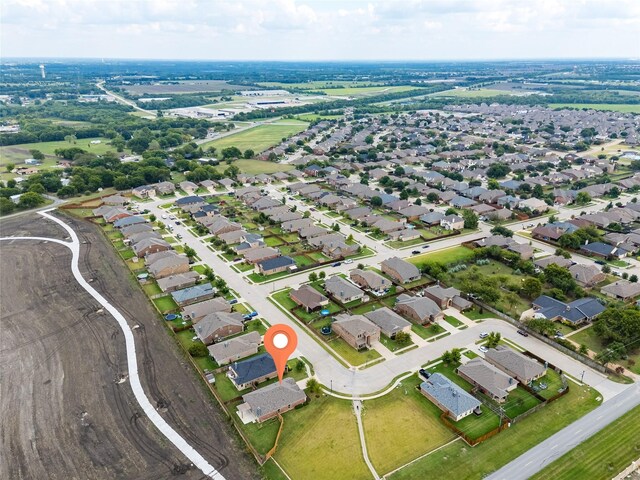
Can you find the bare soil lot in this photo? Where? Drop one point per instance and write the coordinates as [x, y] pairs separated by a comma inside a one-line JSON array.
[[66, 413], [191, 86]]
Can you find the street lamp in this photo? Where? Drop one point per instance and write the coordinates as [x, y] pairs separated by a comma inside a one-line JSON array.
[[332, 385], [582, 377]]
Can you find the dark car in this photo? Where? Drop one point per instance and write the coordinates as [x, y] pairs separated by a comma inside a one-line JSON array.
[[600, 262], [233, 301], [424, 373], [426, 246], [337, 264], [415, 252], [178, 223], [523, 333]]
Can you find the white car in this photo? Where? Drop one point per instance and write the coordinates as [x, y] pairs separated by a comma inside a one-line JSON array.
[[164, 216], [348, 261], [484, 335], [483, 349]]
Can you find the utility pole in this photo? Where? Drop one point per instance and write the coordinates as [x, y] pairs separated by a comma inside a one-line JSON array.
[[582, 377]]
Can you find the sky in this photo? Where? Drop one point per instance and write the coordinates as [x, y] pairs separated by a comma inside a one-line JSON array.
[[320, 29]]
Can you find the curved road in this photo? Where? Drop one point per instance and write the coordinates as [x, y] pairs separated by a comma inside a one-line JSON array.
[[132, 363]]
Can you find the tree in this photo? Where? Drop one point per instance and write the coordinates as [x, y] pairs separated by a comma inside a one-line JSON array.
[[532, 287], [538, 192], [402, 338], [231, 153], [456, 355], [152, 218], [493, 184], [606, 269], [299, 365], [198, 350], [313, 386], [335, 227], [248, 153], [9, 167], [30, 200], [322, 274], [376, 201], [583, 350], [542, 326], [37, 154], [633, 278], [313, 276], [582, 198], [6, 206], [432, 197], [189, 252], [470, 219], [493, 340], [500, 230]]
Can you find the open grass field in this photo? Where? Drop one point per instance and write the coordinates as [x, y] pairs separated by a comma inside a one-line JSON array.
[[401, 426], [190, 86], [17, 154], [444, 257], [614, 107], [458, 461], [255, 167], [589, 337], [602, 456], [310, 117], [258, 138], [463, 92], [365, 91], [320, 441]]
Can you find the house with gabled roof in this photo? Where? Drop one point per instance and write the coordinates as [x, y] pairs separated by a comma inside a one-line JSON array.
[[449, 397], [252, 371], [235, 348], [389, 322], [400, 270], [308, 298], [271, 401], [421, 310], [515, 364], [489, 379], [356, 330], [216, 326]]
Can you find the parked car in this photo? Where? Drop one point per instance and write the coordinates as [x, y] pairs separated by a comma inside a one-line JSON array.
[[178, 236], [233, 301], [178, 223], [424, 373], [163, 216], [426, 246], [348, 261], [600, 262], [337, 264], [312, 209], [483, 349], [415, 252], [484, 335], [523, 333], [253, 314]]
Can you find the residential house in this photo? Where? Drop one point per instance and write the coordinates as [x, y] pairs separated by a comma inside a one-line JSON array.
[[188, 187], [400, 270], [167, 265], [252, 371], [356, 330], [195, 294], [342, 290], [447, 297], [452, 222], [128, 221], [218, 325], [197, 311], [165, 188], [562, 262], [390, 323], [533, 204], [308, 298], [489, 379], [369, 280], [623, 290], [577, 312], [235, 348], [276, 265], [271, 401], [177, 282], [515, 364], [421, 310], [260, 254], [586, 275], [147, 246], [449, 397]]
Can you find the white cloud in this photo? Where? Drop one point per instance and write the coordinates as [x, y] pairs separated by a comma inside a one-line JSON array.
[[308, 29]]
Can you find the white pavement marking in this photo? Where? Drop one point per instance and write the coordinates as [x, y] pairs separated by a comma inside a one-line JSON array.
[[132, 362]]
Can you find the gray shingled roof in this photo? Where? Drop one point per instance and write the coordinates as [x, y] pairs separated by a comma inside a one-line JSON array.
[[518, 364], [490, 378], [449, 395], [274, 397], [389, 321]]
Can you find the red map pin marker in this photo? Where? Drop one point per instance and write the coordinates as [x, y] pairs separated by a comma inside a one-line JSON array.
[[280, 341]]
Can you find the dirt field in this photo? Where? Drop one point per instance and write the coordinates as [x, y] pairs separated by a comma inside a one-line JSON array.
[[65, 412]]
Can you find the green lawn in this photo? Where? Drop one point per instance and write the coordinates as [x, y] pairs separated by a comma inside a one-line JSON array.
[[401, 426], [453, 321], [226, 389], [589, 337], [475, 313], [165, 304], [614, 107], [456, 461], [261, 435], [475, 426], [518, 402], [602, 456], [320, 441], [366, 91], [151, 288], [257, 138], [444, 257], [427, 332], [392, 344], [17, 154], [350, 354]]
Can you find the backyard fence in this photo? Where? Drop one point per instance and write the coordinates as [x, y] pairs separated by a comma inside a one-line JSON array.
[[567, 351], [473, 441]]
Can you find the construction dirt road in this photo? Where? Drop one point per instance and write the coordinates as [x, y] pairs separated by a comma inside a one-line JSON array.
[[66, 406]]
